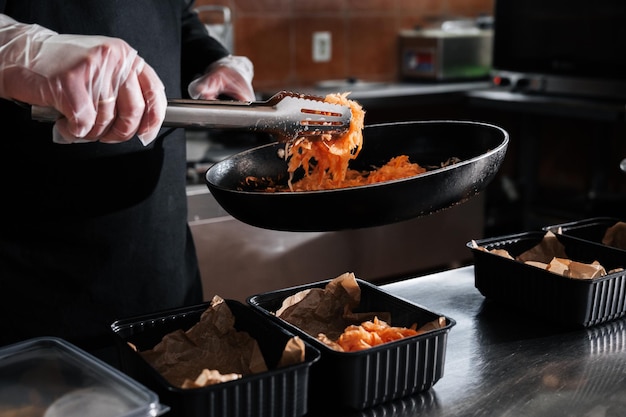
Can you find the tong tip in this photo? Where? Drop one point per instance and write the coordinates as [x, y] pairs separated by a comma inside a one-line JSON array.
[[322, 120]]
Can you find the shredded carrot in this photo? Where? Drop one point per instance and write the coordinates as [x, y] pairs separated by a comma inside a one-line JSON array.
[[372, 333], [325, 161]]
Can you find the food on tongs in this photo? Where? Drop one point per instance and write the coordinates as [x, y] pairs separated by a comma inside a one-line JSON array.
[[328, 315], [321, 162], [325, 162]]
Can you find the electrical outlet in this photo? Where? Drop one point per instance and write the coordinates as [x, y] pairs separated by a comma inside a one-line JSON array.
[[322, 46]]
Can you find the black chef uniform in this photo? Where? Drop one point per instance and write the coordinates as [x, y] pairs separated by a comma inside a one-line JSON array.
[[91, 233]]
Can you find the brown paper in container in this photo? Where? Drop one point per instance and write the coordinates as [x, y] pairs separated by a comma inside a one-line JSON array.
[[212, 351]]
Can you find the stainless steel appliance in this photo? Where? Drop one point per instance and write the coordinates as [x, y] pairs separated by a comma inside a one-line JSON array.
[[456, 50]]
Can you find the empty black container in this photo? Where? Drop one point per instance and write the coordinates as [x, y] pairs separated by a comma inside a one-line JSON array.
[[591, 230], [358, 380], [281, 392], [527, 288]]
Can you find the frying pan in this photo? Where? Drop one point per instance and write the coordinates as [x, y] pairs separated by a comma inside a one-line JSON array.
[[481, 148]]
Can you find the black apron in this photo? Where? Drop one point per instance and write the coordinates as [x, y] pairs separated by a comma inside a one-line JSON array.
[[91, 233]]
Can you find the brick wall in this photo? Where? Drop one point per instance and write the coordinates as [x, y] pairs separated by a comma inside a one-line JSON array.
[[277, 35]]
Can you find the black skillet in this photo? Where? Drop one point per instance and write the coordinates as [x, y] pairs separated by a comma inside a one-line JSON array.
[[480, 147]]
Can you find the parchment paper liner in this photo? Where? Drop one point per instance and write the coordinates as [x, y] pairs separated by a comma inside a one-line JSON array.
[[549, 254], [213, 351], [325, 313]]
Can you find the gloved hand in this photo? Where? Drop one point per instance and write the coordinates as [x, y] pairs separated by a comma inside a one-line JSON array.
[[104, 90], [230, 76]]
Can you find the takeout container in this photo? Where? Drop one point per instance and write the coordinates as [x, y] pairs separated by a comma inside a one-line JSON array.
[[52, 378], [549, 296], [281, 392], [358, 380], [591, 230]]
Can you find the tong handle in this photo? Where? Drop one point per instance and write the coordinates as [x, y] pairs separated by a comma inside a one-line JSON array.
[[186, 113], [44, 114], [221, 114], [285, 115]]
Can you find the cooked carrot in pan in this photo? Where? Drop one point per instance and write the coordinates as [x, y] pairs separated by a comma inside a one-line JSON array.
[[325, 162]]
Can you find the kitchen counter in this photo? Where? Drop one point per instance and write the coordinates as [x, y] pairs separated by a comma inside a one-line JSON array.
[[505, 363], [560, 106]]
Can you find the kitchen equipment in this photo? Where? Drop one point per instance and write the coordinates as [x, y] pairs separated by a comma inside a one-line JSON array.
[[480, 147], [362, 379], [286, 115], [50, 377], [453, 51], [277, 392], [549, 296]]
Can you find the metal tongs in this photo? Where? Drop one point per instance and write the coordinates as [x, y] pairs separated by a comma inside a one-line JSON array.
[[287, 115]]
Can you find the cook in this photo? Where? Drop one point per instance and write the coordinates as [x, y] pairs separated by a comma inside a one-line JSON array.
[[94, 220]]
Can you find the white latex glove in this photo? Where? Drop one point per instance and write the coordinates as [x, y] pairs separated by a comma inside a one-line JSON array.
[[104, 90], [230, 76]]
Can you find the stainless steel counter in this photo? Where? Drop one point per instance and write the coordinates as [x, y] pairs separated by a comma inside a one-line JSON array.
[[504, 363]]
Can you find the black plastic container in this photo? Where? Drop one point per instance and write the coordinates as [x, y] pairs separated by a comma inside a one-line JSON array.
[[358, 380], [567, 301], [591, 230], [281, 392]]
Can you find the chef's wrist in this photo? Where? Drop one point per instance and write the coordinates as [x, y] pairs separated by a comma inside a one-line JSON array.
[[240, 64]]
